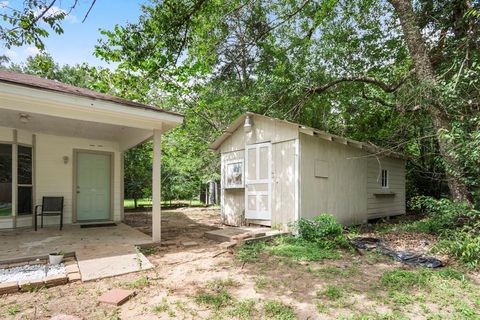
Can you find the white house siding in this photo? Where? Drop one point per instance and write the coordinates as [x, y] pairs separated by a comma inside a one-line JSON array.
[[52, 177], [380, 202], [343, 192], [55, 178]]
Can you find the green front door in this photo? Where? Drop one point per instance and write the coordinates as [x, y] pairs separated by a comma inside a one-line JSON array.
[[93, 186]]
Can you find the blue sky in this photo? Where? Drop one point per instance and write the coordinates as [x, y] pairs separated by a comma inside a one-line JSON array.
[[77, 43]]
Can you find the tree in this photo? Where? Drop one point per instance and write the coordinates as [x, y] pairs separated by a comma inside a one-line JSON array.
[[138, 163], [385, 72], [28, 24]]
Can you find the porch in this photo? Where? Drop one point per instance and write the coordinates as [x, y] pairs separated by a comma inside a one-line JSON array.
[[63, 141], [100, 251]]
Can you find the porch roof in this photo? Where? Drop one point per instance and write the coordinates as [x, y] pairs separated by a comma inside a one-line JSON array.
[[46, 106], [52, 85]]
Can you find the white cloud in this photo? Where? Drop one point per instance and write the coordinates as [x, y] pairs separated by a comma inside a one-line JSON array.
[[10, 53], [4, 4], [31, 51]]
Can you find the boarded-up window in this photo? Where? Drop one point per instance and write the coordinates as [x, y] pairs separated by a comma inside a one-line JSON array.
[[321, 169]]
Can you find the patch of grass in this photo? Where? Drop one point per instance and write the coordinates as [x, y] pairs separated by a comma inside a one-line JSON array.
[[13, 310], [163, 307], [399, 279], [81, 291], [243, 310], [215, 300], [402, 298], [139, 283], [148, 250], [249, 252], [278, 310], [261, 282], [331, 292], [450, 273], [299, 249], [219, 284]]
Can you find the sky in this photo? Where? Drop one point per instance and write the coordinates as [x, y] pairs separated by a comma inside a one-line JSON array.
[[76, 44]]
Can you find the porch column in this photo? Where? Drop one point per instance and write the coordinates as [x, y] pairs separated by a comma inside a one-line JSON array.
[[156, 187]]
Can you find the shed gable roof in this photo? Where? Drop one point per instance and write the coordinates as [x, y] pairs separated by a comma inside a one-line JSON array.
[[36, 82], [368, 147]]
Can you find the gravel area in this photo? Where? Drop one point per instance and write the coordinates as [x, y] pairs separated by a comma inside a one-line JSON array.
[[30, 272]]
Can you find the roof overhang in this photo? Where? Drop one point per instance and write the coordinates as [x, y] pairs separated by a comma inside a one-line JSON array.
[[28, 99], [369, 148]]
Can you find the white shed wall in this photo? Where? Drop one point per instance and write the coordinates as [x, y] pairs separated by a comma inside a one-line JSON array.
[[344, 192], [283, 137], [389, 201]]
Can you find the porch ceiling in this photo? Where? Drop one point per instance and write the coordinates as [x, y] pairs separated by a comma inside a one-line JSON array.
[[40, 123]]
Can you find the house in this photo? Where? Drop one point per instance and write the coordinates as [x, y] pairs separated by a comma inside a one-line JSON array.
[[60, 140], [275, 172]]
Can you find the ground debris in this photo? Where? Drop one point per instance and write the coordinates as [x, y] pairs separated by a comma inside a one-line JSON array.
[[407, 257]]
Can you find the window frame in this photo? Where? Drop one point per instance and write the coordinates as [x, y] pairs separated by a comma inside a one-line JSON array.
[[19, 185], [385, 183], [15, 185]]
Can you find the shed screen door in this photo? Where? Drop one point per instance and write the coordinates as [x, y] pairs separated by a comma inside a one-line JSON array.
[[258, 158]]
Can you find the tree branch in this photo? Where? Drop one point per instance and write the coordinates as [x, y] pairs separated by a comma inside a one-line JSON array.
[[388, 88]]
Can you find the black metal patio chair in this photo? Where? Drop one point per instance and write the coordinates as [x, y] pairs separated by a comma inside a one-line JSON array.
[[51, 206]]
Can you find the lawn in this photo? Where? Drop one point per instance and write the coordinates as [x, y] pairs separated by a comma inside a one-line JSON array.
[[130, 204], [4, 212], [285, 278]]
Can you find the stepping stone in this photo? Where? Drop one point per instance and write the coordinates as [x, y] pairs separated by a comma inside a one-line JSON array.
[[168, 243], [116, 296], [189, 244]]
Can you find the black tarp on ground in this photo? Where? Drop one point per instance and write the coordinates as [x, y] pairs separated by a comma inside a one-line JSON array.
[[410, 258]]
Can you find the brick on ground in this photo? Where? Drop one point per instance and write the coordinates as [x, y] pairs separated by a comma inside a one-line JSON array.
[[116, 296], [189, 244], [72, 268], [8, 287], [56, 280], [75, 276], [30, 284]]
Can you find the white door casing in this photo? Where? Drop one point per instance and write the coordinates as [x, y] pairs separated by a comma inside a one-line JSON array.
[[258, 181]]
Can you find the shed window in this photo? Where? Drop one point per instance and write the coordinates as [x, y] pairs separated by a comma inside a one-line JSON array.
[[384, 178]]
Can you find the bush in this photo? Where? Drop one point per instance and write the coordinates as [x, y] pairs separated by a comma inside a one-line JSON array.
[[324, 230], [463, 245], [442, 214], [457, 224]]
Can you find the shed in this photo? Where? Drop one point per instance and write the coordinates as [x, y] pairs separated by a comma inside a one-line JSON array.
[[275, 172]]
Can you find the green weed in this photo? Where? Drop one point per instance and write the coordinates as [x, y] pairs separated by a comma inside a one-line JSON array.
[[249, 252], [278, 310]]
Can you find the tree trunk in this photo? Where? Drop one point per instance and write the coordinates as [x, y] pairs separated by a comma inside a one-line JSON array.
[[135, 203], [426, 76]]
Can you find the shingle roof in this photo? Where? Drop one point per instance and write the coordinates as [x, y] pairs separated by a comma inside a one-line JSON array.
[[52, 85]]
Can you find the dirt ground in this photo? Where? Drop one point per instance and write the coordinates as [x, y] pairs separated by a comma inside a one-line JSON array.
[[272, 287]]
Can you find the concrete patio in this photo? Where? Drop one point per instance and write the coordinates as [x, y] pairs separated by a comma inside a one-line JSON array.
[[100, 251]]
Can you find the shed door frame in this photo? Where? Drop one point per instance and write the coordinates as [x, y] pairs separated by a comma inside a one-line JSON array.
[[257, 214]]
